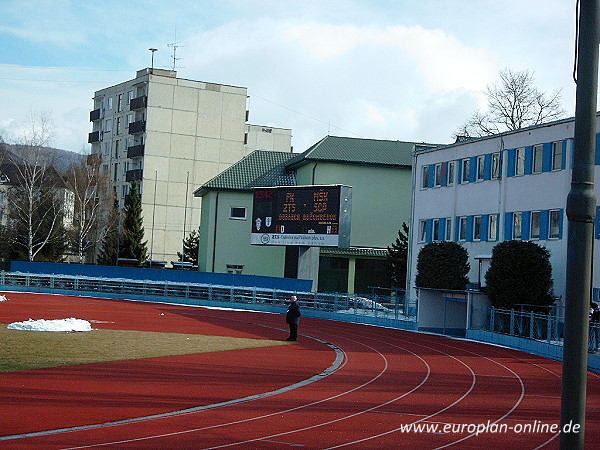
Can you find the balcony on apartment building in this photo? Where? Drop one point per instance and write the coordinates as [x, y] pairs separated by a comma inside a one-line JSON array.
[[133, 175], [137, 127], [138, 102], [135, 151], [94, 136], [95, 115]]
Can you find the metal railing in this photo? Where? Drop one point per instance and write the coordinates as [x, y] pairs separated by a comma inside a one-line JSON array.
[[384, 307], [531, 325]]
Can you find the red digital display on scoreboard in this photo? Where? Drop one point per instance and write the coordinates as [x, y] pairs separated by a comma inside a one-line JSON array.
[[302, 215]]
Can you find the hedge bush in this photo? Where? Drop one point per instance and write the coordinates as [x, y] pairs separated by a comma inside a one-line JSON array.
[[520, 273], [443, 265]]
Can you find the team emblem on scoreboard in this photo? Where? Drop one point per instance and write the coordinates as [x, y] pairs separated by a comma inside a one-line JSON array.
[[268, 221], [258, 223]]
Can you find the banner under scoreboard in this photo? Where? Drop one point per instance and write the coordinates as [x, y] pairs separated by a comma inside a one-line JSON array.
[[313, 216]]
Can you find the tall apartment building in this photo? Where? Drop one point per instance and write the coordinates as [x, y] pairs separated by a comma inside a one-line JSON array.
[[172, 135]]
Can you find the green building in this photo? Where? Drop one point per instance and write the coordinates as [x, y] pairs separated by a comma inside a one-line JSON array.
[[380, 174]]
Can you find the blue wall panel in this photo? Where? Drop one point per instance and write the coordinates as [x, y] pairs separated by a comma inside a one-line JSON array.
[[181, 276], [529, 160], [547, 157], [487, 167], [510, 163]]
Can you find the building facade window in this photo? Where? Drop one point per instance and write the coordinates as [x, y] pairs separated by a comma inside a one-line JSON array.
[[520, 161], [120, 103], [557, 155], [492, 227], [535, 223], [462, 228], [116, 172], [237, 213], [538, 158], [554, 224], [118, 125], [448, 229], [117, 149], [450, 172], [436, 230], [496, 165], [110, 103], [466, 170], [108, 126], [438, 175], [517, 225], [129, 97], [477, 228], [425, 177], [422, 230], [235, 268], [480, 167]]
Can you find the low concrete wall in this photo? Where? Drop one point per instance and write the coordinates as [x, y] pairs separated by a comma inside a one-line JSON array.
[[529, 345]]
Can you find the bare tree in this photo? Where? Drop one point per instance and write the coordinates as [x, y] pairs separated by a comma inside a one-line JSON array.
[[513, 103], [86, 182], [35, 206]]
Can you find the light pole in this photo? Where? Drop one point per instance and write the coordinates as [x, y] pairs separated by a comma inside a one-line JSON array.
[[581, 209], [152, 64]]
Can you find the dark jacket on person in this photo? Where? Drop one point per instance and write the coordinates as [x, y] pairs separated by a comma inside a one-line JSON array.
[[293, 313]]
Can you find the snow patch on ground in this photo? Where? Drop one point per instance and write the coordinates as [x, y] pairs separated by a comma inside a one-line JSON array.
[[52, 325]]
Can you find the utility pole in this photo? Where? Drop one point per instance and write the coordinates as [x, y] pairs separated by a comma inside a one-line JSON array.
[[581, 209]]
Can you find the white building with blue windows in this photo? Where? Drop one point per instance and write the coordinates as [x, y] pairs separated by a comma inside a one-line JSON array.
[[503, 187]]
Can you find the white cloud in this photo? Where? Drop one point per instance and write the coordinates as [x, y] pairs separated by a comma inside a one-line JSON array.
[[352, 67], [324, 41], [362, 81]]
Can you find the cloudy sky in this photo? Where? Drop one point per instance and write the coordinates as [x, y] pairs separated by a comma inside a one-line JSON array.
[[383, 69]]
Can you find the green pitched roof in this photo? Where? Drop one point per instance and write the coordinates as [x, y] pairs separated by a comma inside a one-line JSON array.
[[259, 168], [358, 151]]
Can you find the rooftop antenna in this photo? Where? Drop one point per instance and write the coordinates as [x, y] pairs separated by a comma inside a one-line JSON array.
[[175, 45], [152, 66]]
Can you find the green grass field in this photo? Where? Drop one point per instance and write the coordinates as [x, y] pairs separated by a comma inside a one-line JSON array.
[[25, 350]]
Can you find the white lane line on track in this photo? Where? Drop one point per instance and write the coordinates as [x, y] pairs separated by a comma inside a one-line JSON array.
[[465, 395], [312, 427], [437, 413], [280, 412], [263, 438], [541, 367], [338, 363]]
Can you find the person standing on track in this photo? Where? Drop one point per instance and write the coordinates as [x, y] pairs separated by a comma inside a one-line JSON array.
[[292, 318]]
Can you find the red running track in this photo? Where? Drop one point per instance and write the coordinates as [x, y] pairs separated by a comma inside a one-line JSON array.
[[365, 387]]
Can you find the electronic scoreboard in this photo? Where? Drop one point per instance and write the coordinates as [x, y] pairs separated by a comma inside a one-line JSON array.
[[313, 216]]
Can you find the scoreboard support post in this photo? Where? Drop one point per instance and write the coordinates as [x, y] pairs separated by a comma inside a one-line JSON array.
[[308, 265]]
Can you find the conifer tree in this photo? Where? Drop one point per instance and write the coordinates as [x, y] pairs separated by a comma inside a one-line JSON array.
[[109, 244], [397, 258], [132, 233], [190, 248]]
